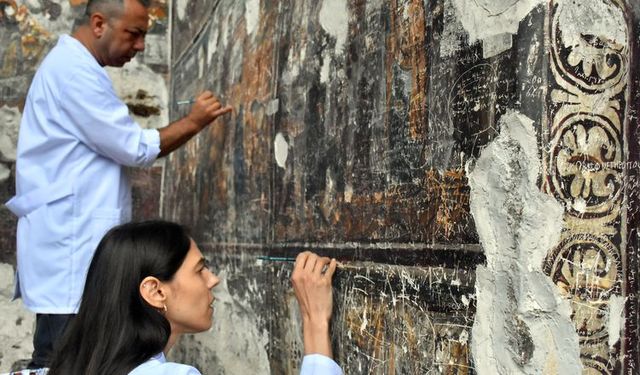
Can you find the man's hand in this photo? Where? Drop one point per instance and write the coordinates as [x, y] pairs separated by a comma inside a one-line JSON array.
[[206, 109], [311, 279]]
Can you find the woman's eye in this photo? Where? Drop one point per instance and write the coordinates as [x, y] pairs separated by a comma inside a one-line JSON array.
[[205, 266]]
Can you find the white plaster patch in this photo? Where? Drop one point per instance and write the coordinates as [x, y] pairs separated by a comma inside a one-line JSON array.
[[272, 107], [592, 19], [496, 44], [181, 8], [281, 150], [517, 225], [132, 78], [450, 38], [484, 19], [252, 15], [288, 76], [9, 11], [325, 68], [348, 193], [4, 172], [224, 37], [10, 118], [616, 319], [334, 18]]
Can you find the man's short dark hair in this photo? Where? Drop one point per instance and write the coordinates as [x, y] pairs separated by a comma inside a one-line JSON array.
[[110, 8]]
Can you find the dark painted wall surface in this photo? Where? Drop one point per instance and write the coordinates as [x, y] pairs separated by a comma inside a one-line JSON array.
[[356, 124]]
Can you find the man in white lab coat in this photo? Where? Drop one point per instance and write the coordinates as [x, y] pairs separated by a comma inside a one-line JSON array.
[[75, 137]]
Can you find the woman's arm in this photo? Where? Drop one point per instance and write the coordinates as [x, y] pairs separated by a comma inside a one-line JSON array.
[[311, 279]]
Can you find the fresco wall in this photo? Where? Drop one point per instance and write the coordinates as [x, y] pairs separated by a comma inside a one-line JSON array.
[[28, 30], [472, 163]]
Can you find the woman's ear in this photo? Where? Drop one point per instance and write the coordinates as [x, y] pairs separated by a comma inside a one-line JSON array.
[[152, 291]]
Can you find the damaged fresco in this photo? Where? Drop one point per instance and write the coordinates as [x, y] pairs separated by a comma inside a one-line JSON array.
[[587, 161], [472, 164]]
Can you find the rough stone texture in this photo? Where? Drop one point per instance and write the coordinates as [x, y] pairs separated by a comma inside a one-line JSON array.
[[16, 330], [520, 312]]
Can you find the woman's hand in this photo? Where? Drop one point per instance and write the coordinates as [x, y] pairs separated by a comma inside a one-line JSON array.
[[311, 279]]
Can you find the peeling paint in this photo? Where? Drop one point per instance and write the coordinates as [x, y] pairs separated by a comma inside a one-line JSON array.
[[484, 19], [334, 19], [181, 7], [135, 78], [281, 150], [5, 172], [517, 225], [252, 15], [272, 107], [496, 44], [325, 68], [616, 319]]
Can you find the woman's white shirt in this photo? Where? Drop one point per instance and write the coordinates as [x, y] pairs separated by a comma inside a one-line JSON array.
[[313, 364], [158, 365], [317, 364]]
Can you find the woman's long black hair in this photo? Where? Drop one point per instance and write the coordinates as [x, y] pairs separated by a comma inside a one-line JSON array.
[[116, 329]]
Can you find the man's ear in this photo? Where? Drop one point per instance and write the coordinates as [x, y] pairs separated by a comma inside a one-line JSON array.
[[152, 291], [98, 23]]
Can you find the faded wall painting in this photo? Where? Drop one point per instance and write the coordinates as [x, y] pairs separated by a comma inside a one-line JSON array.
[[586, 169], [470, 163]]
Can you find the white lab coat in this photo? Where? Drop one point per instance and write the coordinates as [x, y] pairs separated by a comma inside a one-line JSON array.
[[74, 138]]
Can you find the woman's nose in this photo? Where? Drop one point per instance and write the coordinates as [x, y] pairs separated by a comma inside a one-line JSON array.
[[213, 280]]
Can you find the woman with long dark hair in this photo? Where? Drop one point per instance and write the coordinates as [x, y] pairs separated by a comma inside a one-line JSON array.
[[148, 283]]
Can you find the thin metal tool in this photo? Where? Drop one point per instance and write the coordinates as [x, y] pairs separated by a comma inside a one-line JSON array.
[[186, 101], [340, 265]]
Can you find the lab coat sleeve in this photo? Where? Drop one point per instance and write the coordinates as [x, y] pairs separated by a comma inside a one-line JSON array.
[[318, 364], [95, 115]]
